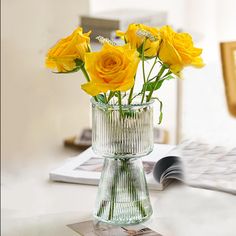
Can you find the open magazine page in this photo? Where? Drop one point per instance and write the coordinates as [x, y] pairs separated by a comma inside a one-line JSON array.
[[199, 165], [211, 167], [169, 167]]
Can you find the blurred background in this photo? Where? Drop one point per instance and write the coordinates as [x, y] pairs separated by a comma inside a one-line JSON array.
[[40, 109]]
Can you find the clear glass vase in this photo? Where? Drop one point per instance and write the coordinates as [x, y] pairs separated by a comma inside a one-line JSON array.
[[122, 134]]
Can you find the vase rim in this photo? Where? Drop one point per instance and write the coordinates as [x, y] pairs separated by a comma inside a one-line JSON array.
[[125, 106]]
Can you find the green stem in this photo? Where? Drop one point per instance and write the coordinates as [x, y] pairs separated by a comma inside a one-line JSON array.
[[154, 77], [163, 77], [144, 78], [85, 73], [105, 98], [111, 95], [157, 79], [135, 96], [149, 74], [153, 65], [168, 73], [130, 95], [131, 92], [102, 207], [144, 90], [124, 95], [132, 190], [113, 191], [88, 79], [120, 103]]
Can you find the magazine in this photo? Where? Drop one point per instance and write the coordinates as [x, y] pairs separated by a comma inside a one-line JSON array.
[[194, 163], [93, 228]]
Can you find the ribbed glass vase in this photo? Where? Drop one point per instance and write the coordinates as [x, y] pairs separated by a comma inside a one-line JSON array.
[[122, 134], [125, 132]]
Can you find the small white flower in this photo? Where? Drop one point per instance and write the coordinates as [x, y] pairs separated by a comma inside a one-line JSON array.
[[147, 34], [103, 40]]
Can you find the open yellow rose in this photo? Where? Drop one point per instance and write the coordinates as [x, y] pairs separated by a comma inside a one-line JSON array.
[[131, 36], [63, 55], [177, 50], [113, 68]]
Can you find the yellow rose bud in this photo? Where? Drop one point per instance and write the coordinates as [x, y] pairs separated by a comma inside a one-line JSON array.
[[63, 55], [177, 50], [131, 36], [113, 68]]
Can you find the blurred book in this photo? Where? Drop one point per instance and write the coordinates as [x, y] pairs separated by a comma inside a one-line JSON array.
[[80, 142], [93, 228], [84, 140], [194, 163], [107, 22]]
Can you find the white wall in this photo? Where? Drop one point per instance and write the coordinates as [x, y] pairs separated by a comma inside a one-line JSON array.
[[214, 20], [39, 109], [205, 115]]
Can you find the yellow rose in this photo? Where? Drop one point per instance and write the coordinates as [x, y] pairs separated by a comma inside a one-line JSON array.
[[131, 36], [177, 50], [63, 55], [113, 68]]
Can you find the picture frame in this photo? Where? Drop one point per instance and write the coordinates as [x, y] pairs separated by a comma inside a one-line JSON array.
[[228, 60]]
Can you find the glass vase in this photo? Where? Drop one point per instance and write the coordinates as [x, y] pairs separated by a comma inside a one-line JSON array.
[[122, 135]]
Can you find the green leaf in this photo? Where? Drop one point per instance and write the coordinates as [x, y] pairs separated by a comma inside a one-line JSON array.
[[101, 98], [160, 118], [169, 77], [153, 85]]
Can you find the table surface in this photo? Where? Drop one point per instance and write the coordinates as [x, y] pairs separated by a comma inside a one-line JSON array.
[[32, 205]]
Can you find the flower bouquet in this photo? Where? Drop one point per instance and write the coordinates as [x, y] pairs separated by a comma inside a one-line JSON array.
[[122, 120]]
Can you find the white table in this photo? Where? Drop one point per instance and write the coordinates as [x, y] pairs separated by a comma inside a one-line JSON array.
[[34, 206]]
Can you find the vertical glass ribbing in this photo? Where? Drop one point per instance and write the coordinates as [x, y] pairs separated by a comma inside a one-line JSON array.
[[122, 135], [128, 134], [123, 197]]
